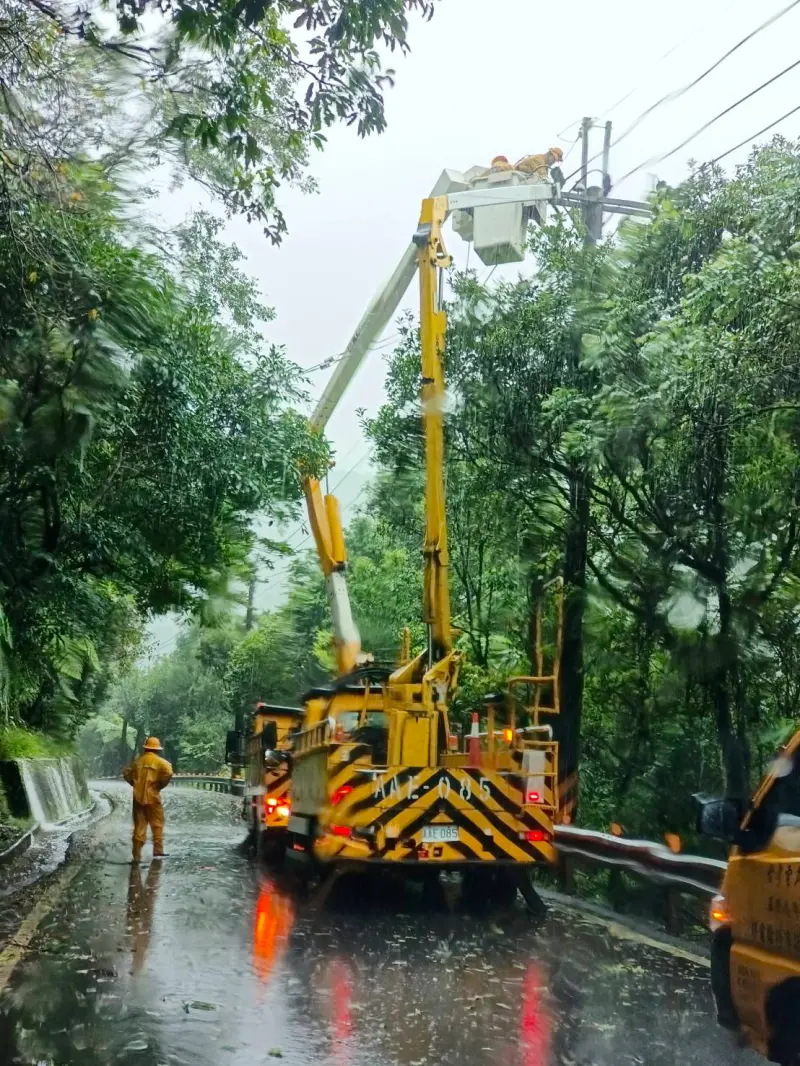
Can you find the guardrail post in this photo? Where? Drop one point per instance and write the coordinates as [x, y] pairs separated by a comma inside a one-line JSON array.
[[674, 911], [566, 874], [616, 888]]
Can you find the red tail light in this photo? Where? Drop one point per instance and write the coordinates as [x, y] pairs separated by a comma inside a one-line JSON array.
[[270, 801], [340, 793], [538, 836], [284, 810], [534, 797], [341, 830]]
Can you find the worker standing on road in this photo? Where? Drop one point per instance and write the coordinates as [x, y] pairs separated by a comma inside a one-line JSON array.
[[148, 775]]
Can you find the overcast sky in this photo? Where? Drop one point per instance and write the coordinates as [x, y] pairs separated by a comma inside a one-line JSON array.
[[488, 77]]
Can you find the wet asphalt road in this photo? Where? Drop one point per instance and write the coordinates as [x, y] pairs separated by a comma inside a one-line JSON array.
[[205, 960]]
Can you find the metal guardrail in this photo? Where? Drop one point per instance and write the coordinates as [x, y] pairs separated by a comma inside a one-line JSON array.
[[680, 874], [232, 785], [694, 873]]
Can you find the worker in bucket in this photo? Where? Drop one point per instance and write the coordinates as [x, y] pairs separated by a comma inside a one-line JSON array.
[[148, 775], [540, 164]]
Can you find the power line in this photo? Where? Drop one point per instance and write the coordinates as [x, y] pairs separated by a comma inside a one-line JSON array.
[[753, 136], [605, 112], [333, 359], [676, 94], [368, 454], [670, 51], [660, 159]]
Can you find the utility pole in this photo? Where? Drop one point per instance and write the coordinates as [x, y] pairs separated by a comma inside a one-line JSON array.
[[594, 200], [236, 738], [250, 615]]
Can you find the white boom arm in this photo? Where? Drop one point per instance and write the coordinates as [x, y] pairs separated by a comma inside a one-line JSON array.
[[378, 315]]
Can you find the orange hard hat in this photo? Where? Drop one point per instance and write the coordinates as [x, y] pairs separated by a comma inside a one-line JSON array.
[[499, 160], [152, 744], [557, 154]]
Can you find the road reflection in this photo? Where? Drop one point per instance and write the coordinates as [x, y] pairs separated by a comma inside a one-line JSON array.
[[139, 914], [340, 984], [274, 918], [534, 1021]]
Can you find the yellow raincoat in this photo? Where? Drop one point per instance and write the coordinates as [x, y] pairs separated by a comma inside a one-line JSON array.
[[148, 775], [533, 164]]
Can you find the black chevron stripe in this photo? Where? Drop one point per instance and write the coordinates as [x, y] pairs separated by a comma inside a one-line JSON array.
[[424, 819], [460, 818], [508, 805], [372, 801], [355, 779], [359, 750], [488, 842], [506, 832], [464, 848]]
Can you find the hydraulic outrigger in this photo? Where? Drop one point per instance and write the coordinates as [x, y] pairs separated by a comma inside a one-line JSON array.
[[378, 777]]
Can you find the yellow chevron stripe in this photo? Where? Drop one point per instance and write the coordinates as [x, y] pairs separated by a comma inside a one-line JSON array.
[[402, 812], [408, 813], [470, 811]]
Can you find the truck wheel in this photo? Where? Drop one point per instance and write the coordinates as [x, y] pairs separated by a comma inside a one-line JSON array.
[[721, 978], [504, 888], [271, 847], [476, 888], [783, 1018]]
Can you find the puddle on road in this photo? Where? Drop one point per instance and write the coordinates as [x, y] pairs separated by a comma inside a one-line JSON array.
[[205, 960], [48, 850]]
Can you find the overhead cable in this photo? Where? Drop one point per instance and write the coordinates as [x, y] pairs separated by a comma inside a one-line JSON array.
[[332, 359], [670, 51], [660, 158], [754, 136], [677, 93]]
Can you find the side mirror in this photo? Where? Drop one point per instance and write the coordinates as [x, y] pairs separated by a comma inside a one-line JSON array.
[[719, 819], [233, 748]]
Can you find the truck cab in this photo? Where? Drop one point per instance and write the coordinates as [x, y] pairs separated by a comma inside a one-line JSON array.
[[755, 919]]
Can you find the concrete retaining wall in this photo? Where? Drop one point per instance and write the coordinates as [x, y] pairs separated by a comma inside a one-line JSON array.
[[46, 790]]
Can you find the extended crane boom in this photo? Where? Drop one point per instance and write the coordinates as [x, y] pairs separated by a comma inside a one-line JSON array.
[[378, 775], [433, 260], [323, 511], [451, 192]]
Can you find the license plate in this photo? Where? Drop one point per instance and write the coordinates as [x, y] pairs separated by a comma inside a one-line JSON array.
[[436, 834]]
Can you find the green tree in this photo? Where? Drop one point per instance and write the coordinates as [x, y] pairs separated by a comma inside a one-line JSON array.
[[144, 421], [696, 428], [233, 93]]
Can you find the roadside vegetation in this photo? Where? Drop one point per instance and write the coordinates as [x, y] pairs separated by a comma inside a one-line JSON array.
[[145, 417], [626, 418]]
